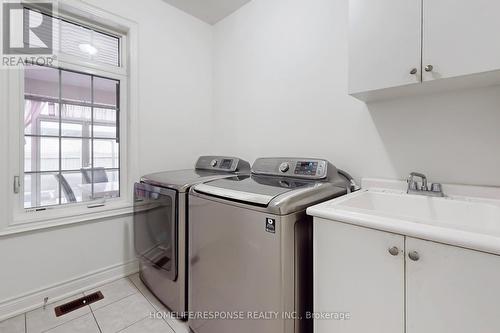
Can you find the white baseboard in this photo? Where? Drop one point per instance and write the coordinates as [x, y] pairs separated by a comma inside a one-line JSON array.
[[30, 301]]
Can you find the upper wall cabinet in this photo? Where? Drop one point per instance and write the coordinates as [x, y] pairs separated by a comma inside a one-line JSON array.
[[461, 37], [384, 44], [408, 47]]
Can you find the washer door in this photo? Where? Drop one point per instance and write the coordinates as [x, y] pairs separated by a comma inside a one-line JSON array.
[[155, 227]]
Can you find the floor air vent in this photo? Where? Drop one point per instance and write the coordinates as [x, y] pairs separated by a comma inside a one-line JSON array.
[[78, 303]]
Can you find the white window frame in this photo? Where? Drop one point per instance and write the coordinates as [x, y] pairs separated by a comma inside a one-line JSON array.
[[21, 219]]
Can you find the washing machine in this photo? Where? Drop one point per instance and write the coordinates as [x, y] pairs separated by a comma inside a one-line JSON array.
[[160, 225], [250, 246]]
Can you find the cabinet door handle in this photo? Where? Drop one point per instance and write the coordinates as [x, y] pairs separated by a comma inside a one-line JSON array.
[[394, 251], [429, 68], [413, 71], [413, 255]]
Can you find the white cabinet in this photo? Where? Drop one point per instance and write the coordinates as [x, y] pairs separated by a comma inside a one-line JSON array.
[[384, 44], [450, 43], [450, 289], [425, 287], [354, 273], [461, 37]]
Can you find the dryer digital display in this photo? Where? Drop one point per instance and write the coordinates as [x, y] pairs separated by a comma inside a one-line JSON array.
[[226, 164]]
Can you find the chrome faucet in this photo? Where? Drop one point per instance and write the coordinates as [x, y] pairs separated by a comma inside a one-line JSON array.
[[414, 188]]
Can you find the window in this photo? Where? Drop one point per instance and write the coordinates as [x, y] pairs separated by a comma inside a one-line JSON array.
[[69, 122], [71, 137], [77, 40]]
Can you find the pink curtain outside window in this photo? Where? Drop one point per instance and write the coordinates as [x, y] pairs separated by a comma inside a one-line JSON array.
[[35, 109]]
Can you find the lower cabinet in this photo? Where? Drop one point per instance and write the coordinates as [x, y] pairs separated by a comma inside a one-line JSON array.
[[355, 273], [451, 289], [395, 284]]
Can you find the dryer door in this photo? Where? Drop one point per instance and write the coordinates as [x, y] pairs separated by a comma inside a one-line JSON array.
[[155, 227]]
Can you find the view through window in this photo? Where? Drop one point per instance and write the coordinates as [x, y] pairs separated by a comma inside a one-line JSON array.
[[71, 137]]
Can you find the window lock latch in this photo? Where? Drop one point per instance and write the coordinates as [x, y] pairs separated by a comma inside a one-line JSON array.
[[17, 184]]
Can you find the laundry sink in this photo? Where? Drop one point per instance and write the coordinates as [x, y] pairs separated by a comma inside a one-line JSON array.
[[455, 213], [462, 221]]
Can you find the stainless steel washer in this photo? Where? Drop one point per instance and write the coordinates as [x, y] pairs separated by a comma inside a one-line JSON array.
[[250, 246], [160, 222]]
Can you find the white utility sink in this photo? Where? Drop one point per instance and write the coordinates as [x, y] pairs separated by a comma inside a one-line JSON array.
[[456, 220], [453, 213]]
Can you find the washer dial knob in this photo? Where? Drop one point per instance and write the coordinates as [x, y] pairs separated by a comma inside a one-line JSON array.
[[213, 163], [284, 167]]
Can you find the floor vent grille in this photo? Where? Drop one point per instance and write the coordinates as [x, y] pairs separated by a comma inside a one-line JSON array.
[[78, 303]]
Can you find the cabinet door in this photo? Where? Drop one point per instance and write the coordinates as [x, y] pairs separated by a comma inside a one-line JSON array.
[[355, 273], [384, 44], [450, 289], [460, 37]]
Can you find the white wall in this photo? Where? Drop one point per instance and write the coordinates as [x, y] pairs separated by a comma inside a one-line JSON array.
[[280, 83], [33, 262], [175, 79], [175, 83]]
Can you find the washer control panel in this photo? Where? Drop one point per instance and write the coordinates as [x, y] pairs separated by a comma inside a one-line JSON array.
[[291, 167]]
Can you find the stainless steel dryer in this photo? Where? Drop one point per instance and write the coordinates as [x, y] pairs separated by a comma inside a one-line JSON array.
[[160, 219], [250, 246]]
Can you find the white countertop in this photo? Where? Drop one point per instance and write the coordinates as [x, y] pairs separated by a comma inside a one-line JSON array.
[[468, 217]]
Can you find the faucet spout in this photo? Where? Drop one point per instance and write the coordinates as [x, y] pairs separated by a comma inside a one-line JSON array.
[[423, 177], [413, 188]]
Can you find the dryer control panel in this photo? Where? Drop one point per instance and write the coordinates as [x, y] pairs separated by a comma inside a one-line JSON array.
[[221, 163], [292, 167]]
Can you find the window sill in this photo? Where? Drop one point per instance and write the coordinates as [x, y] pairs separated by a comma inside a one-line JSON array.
[[29, 222]]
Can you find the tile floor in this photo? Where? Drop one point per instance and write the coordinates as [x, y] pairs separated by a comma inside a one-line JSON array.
[[126, 308]]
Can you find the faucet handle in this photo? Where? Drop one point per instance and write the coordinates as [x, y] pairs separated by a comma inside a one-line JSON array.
[[436, 187], [412, 185]]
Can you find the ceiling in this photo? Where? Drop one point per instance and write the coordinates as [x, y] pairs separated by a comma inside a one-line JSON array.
[[210, 11]]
